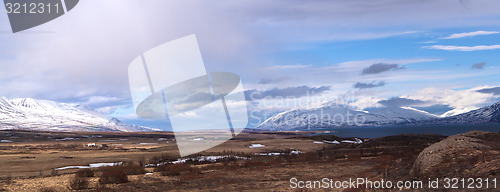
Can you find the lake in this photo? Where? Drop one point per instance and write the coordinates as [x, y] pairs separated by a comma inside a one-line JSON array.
[[374, 132]]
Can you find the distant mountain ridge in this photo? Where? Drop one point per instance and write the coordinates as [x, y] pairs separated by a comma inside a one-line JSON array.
[[332, 116], [308, 118], [489, 114], [33, 114]]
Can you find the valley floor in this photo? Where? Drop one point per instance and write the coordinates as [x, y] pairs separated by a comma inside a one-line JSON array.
[[30, 160]]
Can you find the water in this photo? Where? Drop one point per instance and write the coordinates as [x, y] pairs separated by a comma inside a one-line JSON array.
[[374, 132]]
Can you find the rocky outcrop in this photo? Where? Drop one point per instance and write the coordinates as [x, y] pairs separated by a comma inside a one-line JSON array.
[[476, 153]]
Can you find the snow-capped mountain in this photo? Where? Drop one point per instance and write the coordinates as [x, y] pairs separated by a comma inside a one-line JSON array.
[[32, 114], [458, 111], [328, 116], [489, 114]]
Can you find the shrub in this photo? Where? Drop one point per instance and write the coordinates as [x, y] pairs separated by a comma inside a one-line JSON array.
[[8, 179], [133, 169], [176, 169], [54, 173], [49, 189], [84, 173], [78, 183], [113, 175]]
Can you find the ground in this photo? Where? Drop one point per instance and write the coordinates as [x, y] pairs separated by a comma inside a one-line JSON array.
[[29, 162]]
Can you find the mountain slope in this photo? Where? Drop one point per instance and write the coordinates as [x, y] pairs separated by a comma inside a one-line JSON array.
[[342, 116], [489, 114], [31, 114]]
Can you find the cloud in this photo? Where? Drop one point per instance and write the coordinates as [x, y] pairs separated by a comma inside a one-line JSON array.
[[494, 90], [427, 42], [478, 65], [100, 47], [296, 92], [90, 58], [284, 67], [329, 21], [461, 100], [463, 48], [381, 67], [363, 103], [106, 104], [270, 81], [99, 100], [358, 65], [470, 34], [398, 102], [360, 85]]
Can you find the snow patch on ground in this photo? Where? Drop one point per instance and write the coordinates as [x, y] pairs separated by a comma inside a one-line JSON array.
[[67, 139], [92, 165], [293, 152], [269, 154], [331, 142], [357, 141], [256, 145], [211, 159]]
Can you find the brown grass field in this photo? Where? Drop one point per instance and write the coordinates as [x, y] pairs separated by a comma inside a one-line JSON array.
[[28, 163]]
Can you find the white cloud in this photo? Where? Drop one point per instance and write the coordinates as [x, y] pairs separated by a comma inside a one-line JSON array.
[[96, 100], [470, 34], [463, 48], [366, 102], [427, 42], [91, 57], [283, 67], [462, 100], [106, 110]]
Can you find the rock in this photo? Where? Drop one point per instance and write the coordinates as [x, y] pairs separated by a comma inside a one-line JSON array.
[[468, 154]]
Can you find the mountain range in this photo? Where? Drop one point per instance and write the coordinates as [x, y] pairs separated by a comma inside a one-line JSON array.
[[32, 114], [335, 116], [489, 114]]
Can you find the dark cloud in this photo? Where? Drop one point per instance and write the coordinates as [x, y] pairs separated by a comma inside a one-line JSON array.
[[269, 81], [397, 102], [494, 90], [296, 92], [360, 85], [478, 65], [381, 67]]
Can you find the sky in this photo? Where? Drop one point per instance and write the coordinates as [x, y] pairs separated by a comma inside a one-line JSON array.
[[440, 56]]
